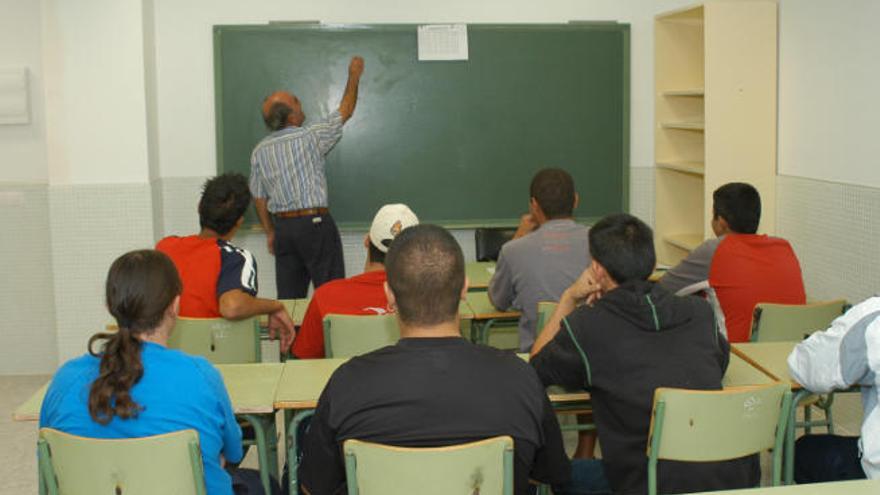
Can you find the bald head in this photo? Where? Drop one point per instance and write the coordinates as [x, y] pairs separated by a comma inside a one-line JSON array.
[[282, 109]]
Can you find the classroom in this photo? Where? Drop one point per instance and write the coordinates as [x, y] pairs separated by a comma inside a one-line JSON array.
[[120, 135]]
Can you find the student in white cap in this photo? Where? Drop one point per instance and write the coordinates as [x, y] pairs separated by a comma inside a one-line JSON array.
[[359, 295]]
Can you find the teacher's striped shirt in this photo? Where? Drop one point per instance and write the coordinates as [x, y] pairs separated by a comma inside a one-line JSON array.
[[287, 166]]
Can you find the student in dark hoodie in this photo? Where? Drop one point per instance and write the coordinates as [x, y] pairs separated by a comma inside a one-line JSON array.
[[621, 337]]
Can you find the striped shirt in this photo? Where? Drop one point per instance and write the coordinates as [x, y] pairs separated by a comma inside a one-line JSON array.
[[287, 166]]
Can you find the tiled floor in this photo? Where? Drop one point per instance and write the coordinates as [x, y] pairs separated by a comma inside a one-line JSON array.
[[18, 466]]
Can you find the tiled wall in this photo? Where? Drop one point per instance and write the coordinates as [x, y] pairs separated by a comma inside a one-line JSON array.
[[27, 305], [91, 226], [641, 193], [835, 231]]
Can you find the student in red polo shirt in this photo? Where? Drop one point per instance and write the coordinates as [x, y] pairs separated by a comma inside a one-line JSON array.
[[742, 267], [362, 294], [219, 279]]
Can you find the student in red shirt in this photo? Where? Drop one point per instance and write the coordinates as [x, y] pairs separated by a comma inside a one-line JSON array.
[[362, 294], [219, 279], [749, 268]]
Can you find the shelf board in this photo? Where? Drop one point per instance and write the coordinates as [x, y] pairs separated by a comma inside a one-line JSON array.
[[687, 126], [694, 168], [684, 241], [685, 92]]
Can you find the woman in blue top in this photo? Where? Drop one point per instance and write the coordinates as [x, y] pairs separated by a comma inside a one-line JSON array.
[[135, 386]]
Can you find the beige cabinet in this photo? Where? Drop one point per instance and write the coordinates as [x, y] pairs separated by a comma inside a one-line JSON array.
[[715, 115]]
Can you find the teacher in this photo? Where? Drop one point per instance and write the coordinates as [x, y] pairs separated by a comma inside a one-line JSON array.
[[290, 189]]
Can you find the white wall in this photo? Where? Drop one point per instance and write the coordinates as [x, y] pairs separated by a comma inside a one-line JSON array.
[[100, 198], [23, 147], [829, 103], [27, 326], [185, 74], [94, 61]]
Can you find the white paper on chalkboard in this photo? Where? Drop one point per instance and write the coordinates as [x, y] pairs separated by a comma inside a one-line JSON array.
[[443, 42]]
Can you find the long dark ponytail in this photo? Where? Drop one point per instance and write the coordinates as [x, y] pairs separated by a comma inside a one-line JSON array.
[[141, 285]]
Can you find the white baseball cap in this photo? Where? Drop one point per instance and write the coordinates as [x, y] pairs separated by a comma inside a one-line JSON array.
[[389, 221]]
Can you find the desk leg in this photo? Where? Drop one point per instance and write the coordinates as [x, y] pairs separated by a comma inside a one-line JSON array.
[[788, 452], [267, 450], [475, 331], [292, 442]]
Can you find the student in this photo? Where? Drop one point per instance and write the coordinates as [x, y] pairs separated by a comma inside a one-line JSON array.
[[219, 279], [363, 294], [621, 337], [432, 388], [547, 253], [133, 386], [743, 268], [844, 355]]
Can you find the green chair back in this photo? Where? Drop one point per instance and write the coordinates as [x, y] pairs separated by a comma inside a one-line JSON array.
[[791, 322], [545, 311], [717, 425], [220, 341], [169, 464], [352, 335], [484, 467]]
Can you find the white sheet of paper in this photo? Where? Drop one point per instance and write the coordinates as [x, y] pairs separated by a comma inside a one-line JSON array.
[[443, 42]]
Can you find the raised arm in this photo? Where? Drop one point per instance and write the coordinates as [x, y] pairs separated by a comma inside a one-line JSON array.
[[585, 288], [349, 98]]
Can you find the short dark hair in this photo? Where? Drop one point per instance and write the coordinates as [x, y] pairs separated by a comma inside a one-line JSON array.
[[624, 245], [553, 189], [739, 204], [425, 269], [276, 117], [225, 199], [374, 255]]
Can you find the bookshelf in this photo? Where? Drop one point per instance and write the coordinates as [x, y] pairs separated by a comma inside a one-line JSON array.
[[715, 115]]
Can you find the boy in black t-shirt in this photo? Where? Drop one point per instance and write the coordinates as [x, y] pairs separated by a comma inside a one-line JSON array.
[[432, 388]]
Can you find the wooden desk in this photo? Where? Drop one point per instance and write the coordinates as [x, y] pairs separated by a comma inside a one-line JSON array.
[[485, 315], [251, 389], [30, 409], [740, 373], [769, 357], [303, 380], [858, 487], [479, 273]]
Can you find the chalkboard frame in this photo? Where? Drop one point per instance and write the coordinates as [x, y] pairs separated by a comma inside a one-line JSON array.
[[624, 29]]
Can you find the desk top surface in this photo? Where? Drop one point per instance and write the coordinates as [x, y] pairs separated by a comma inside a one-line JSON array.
[[858, 487], [303, 381], [479, 273], [741, 373], [297, 384], [251, 389], [769, 357], [483, 309]]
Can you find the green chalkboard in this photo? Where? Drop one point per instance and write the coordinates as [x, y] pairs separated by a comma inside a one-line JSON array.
[[458, 141]]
